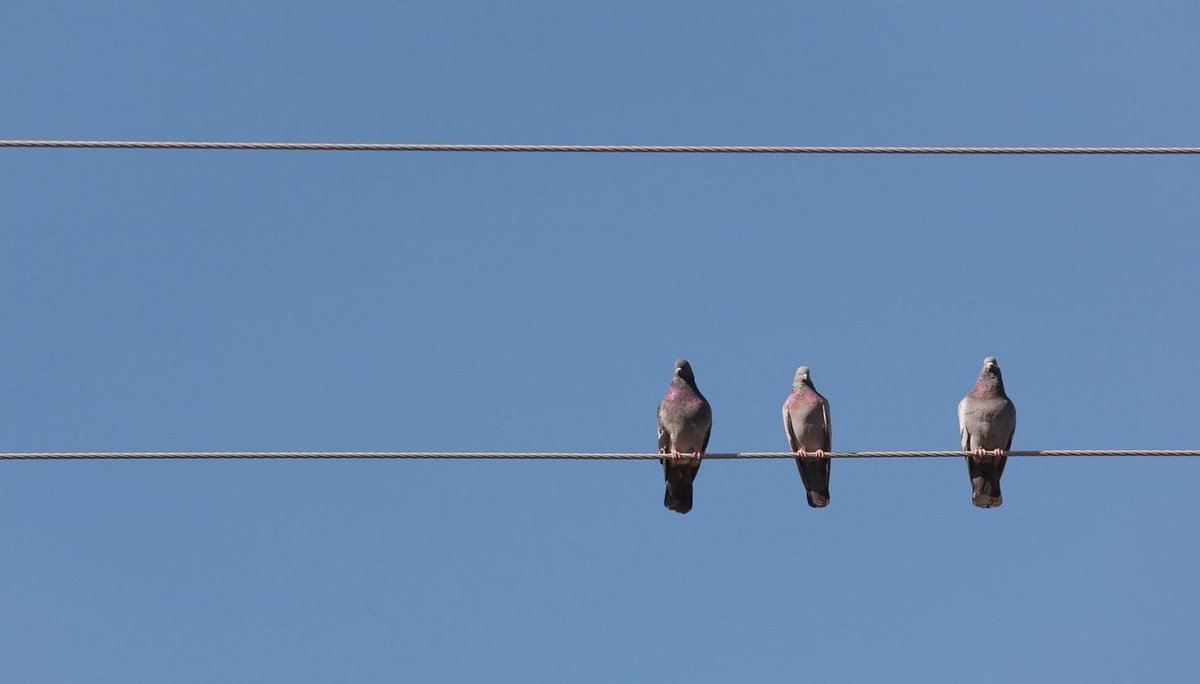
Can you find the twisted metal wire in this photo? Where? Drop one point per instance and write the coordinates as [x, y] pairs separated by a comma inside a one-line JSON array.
[[637, 149], [36, 456]]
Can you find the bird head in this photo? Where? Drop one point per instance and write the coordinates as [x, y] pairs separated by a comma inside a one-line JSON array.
[[683, 370], [801, 377], [991, 367]]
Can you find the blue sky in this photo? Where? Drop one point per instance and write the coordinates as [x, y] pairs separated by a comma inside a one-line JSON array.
[[159, 300]]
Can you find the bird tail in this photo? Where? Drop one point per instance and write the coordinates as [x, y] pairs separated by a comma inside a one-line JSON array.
[[985, 481], [814, 473], [679, 477]]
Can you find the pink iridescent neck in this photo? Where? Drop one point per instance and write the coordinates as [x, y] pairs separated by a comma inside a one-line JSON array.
[[988, 385]]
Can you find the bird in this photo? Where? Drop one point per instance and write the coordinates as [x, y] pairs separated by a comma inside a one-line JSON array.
[[684, 425], [806, 421], [987, 420]]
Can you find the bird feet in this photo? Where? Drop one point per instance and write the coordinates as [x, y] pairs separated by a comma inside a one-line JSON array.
[[994, 452], [819, 453], [696, 455]]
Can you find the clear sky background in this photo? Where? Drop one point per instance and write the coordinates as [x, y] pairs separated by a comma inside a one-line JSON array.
[[168, 300]]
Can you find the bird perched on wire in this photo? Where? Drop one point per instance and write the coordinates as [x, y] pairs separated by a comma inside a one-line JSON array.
[[684, 425], [806, 421], [987, 420]]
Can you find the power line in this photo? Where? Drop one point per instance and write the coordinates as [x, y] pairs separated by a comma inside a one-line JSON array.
[[84, 455], [634, 149]]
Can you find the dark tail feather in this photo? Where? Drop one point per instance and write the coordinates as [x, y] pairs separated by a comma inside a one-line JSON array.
[[679, 477], [814, 473], [985, 481]]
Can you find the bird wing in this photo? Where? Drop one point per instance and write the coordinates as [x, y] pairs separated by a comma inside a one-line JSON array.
[[664, 437], [962, 425], [787, 426], [828, 429], [1011, 414]]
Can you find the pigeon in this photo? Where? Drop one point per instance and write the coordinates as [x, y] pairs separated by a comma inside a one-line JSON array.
[[987, 420], [684, 424], [806, 420]]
